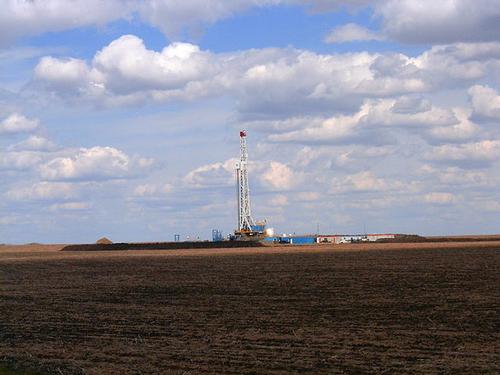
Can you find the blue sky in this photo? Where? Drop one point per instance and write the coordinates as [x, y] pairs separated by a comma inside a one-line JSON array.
[[121, 118]]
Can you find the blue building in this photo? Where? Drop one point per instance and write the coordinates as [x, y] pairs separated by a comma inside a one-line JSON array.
[[292, 240]]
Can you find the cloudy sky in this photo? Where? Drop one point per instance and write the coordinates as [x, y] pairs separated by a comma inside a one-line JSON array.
[[121, 117]]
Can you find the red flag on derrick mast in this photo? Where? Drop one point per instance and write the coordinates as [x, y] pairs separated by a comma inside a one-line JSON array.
[[243, 133]]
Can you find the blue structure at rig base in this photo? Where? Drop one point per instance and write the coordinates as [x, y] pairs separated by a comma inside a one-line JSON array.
[[303, 240], [292, 240], [260, 228], [271, 239], [217, 235]]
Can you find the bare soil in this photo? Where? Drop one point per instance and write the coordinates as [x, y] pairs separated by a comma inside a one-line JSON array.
[[363, 308]]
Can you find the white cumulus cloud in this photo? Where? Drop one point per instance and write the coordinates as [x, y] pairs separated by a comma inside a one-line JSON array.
[[438, 22], [70, 206], [268, 83], [407, 21], [19, 160], [440, 198], [485, 102], [34, 143], [364, 181], [376, 116], [351, 32], [43, 191], [279, 176], [151, 190], [126, 65], [96, 163], [26, 18], [477, 154], [18, 123], [62, 74], [212, 175]]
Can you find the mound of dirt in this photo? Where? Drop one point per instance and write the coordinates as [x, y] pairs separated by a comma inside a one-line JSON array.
[[104, 241]]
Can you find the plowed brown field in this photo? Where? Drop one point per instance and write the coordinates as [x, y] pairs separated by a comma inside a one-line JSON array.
[[383, 308]]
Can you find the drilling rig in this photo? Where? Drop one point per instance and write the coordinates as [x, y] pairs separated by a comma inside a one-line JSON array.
[[248, 228]]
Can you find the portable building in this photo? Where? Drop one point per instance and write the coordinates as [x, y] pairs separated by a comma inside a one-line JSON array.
[[298, 240], [375, 237]]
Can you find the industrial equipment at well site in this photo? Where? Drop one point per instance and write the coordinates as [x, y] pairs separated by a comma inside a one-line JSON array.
[[251, 230], [248, 228]]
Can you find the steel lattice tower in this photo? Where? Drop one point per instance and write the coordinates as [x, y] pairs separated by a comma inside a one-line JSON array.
[[245, 220]]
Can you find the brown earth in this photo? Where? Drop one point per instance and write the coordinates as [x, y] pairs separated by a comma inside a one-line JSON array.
[[104, 241], [361, 308]]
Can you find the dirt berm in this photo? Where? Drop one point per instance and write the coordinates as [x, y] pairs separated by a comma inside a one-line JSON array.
[[161, 246]]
